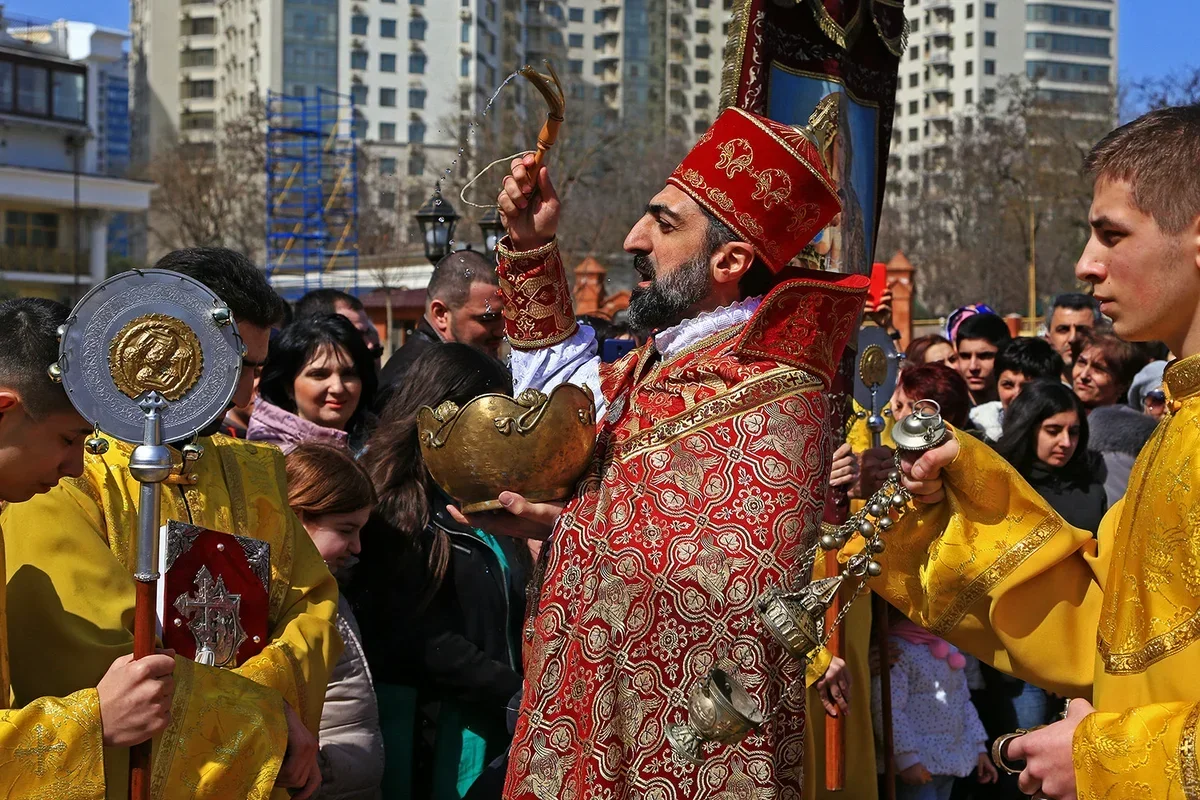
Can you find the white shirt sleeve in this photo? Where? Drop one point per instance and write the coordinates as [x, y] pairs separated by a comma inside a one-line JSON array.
[[572, 361]]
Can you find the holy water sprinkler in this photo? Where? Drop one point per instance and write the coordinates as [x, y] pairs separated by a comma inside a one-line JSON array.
[[552, 90]]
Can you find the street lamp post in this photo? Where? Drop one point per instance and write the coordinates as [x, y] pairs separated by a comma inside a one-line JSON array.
[[437, 219], [492, 228]]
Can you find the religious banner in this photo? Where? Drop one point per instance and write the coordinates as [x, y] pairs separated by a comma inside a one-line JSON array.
[[789, 61]]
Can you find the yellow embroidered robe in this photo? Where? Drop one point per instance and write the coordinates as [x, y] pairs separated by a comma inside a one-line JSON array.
[[71, 597], [52, 746], [996, 571]]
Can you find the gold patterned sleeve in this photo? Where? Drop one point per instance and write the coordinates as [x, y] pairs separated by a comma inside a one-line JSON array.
[[1149, 752], [52, 748], [538, 309], [996, 571], [305, 644]]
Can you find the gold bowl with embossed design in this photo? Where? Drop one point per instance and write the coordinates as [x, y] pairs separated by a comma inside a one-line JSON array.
[[533, 444]]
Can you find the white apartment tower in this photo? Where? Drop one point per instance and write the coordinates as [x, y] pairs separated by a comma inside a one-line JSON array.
[[959, 51]]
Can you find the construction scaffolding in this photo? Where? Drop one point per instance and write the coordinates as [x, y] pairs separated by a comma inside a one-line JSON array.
[[312, 193]]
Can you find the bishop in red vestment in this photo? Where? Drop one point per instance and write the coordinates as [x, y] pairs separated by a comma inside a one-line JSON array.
[[710, 473]]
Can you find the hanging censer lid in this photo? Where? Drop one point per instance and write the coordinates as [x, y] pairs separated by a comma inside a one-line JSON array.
[[924, 429]]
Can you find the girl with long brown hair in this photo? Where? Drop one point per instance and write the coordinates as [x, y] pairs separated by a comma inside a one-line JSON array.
[[441, 604], [333, 497]]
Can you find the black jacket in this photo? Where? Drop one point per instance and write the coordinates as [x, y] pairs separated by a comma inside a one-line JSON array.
[[464, 645], [393, 372], [1077, 494]]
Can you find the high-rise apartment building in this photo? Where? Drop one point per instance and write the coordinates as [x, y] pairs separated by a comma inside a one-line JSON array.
[[960, 50]]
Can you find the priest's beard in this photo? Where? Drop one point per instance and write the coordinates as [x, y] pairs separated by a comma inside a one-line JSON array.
[[666, 301]]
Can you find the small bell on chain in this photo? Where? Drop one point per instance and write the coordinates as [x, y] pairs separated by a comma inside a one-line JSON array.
[[192, 452], [96, 444]]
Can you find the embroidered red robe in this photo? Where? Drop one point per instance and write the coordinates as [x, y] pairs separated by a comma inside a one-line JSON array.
[[707, 487]]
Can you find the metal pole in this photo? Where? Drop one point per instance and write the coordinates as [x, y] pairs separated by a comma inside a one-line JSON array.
[[1032, 271], [150, 465]]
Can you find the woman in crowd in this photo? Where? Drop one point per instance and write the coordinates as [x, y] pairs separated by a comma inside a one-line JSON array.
[[442, 605], [1045, 439], [317, 385], [931, 349], [333, 496], [1104, 369]]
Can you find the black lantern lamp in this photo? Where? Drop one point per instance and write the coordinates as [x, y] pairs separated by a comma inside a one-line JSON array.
[[437, 219], [492, 228]]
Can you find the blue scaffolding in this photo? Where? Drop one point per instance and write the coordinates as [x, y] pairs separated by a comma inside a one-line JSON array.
[[312, 193]]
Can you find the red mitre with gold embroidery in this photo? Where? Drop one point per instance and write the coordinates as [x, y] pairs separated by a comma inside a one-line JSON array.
[[764, 180]]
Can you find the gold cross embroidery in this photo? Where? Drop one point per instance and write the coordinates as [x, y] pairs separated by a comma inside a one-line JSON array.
[[1178, 480], [41, 750]]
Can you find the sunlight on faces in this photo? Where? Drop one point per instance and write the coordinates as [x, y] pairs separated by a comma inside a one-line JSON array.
[[1009, 386], [480, 321], [1147, 281], [976, 363], [942, 353], [36, 454], [328, 388], [1091, 379], [901, 403], [336, 535], [1067, 325], [1057, 438]]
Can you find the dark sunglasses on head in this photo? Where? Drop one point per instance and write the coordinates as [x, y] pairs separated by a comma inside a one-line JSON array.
[[1156, 397]]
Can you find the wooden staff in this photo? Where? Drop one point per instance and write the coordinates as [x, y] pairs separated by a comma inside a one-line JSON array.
[[879, 608], [835, 727]]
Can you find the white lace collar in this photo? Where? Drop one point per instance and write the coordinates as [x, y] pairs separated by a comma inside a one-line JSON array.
[[674, 340]]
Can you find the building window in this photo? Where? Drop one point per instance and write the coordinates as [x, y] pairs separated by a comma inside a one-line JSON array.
[[416, 132], [703, 26], [912, 107], [575, 66], [190, 89], [359, 24], [703, 76], [970, 68], [989, 67], [703, 51], [464, 32], [989, 38], [913, 79], [989, 10], [198, 58], [555, 38], [358, 59], [416, 165], [912, 134], [416, 98], [914, 53], [32, 97], [914, 25], [416, 63], [387, 131], [27, 229], [1068, 15], [702, 101], [387, 200], [1066, 43], [970, 39], [914, 162], [575, 40], [358, 94], [387, 62], [68, 101], [387, 98], [989, 96], [198, 26], [1069, 73], [575, 14], [387, 166], [464, 67], [970, 11], [970, 96], [387, 28], [416, 29]]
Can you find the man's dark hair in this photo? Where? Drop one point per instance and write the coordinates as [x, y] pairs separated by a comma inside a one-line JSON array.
[[233, 278], [28, 346], [983, 326], [454, 274], [1076, 301], [322, 302], [1029, 356], [1158, 154]]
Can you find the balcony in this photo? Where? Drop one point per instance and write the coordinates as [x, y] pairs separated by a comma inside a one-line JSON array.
[[938, 5], [43, 260]]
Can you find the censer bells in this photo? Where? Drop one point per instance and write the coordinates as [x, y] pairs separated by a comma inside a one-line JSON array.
[[719, 708]]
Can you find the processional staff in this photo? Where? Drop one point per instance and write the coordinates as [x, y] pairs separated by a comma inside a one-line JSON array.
[[149, 357]]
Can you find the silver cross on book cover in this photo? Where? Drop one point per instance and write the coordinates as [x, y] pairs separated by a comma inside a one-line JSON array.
[[214, 596]]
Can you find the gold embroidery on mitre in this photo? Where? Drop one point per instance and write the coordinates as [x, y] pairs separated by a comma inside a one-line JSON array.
[[155, 353]]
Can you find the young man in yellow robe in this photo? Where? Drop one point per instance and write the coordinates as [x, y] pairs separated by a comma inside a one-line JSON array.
[[53, 746], [1115, 622], [248, 732]]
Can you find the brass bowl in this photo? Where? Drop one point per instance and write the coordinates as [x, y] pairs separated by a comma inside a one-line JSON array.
[[535, 445]]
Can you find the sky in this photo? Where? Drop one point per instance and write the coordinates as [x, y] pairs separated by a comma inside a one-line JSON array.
[[1156, 36]]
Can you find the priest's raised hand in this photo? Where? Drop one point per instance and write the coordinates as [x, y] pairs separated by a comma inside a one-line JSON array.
[[529, 205]]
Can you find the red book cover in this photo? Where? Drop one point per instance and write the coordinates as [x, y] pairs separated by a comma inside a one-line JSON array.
[[213, 594]]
